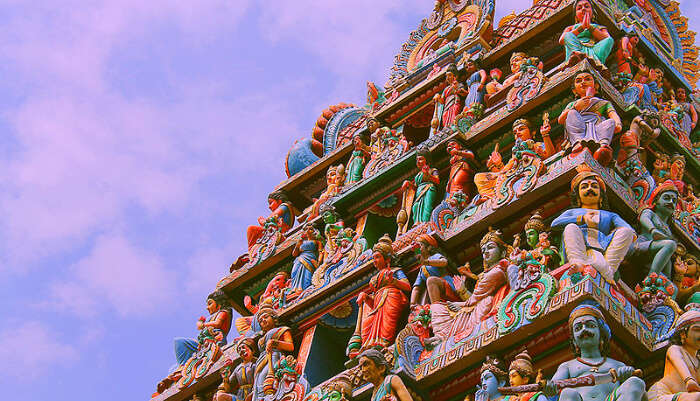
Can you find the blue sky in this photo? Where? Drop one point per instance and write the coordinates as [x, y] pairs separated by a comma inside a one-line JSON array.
[[137, 141]]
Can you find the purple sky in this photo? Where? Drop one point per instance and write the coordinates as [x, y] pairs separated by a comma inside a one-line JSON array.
[[138, 140]]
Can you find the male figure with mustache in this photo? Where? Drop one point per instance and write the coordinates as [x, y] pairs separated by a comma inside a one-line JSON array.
[[590, 338], [655, 238], [593, 236]]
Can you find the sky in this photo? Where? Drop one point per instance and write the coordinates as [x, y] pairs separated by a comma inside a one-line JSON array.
[[138, 139]]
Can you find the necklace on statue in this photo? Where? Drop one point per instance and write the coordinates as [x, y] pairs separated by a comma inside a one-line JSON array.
[[594, 366]]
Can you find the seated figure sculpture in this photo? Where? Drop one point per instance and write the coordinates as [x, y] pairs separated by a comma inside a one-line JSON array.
[[282, 215], [586, 37], [590, 121], [681, 372], [593, 236], [590, 338], [377, 371], [275, 342], [460, 319], [655, 237], [434, 279], [236, 383]]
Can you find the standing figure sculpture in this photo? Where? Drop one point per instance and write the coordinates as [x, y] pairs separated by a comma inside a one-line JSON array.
[[593, 236], [377, 371], [282, 215], [655, 237], [590, 121], [682, 369], [476, 82], [306, 254], [689, 116], [360, 155], [237, 383], [425, 184], [462, 163], [586, 37], [434, 281], [274, 343], [590, 339], [625, 54], [460, 319], [382, 305], [448, 104], [520, 373], [493, 375]]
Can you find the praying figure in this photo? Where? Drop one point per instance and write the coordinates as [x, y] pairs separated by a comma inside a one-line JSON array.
[[586, 37]]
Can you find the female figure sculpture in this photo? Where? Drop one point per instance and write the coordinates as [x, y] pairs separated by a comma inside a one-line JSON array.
[[450, 98], [470, 313], [433, 278], [274, 344], [282, 215], [358, 159], [462, 163], [425, 182], [476, 82], [586, 37], [237, 383], [381, 307], [306, 251], [216, 327], [521, 372]]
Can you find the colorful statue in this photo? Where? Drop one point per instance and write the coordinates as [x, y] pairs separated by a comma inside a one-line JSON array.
[[377, 134], [448, 104], [306, 253], [462, 163], [528, 83], [425, 184], [537, 239], [590, 121], [645, 89], [662, 164], [282, 217], [593, 236], [677, 171], [289, 383], [682, 369], [237, 382], [520, 373], [655, 237], [625, 54], [525, 162], [493, 376], [460, 319], [689, 116], [656, 295], [516, 61], [433, 275], [276, 294], [415, 343], [274, 343], [586, 37], [360, 155], [376, 370], [644, 128], [381, 306], [476, 82], [686, 274], [590, 339], [494, 85], [335, 179]]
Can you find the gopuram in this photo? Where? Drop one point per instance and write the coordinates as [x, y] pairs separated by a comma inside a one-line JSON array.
[[512, 216]]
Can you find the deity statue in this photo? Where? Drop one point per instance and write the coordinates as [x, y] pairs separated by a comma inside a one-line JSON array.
[[677, 171], [213, 329], [686, 274], [537, 239], [645, 89], [274, 343], [289, 383], [662, 164], [586, 37], [360, 155], [306, 254], [448, 104], [590, 339], [335, 179], [425, 184], [590, 121], [593, 236], [377, 371], [494, 85], [381, 306], [682, 368], [476, 82], [689, 116], [643, 129], [462, 163], [493, 376], [655, 237], [516, 61], [377, 134], [521, 372], [459, 319], [433, 274], [237, 382], [282, 216], [625, 54], [486, 183]]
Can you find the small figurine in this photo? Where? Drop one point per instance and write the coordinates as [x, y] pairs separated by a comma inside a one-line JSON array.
[[493, 376], [537, 239], [686, 274], [215, 328], [289, 383], [593, 236], [360, 155], [236, 383], [682, 368], [644, 128], [586, 37], [425, 184], [335, 179], [516, 61], [377, 371], [433, 274], [655, 237], [449, 102], [590, 339], [689, 116], [274, 343], [676, 172], [306, 254], [377, 134], [282, 215], [462, 163], [381, 306], [520, 373], [590, 121], [625, 54], [494, 85], [662, 164], [459, 319], [476, 82]]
